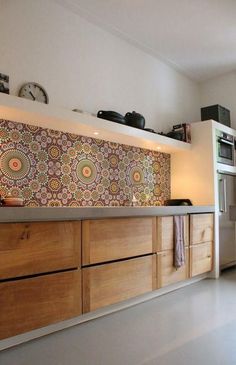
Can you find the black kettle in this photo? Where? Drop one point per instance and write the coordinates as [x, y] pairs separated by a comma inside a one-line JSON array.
[[135, 120]]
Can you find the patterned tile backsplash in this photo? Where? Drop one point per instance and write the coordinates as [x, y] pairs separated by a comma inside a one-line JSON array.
[[51, 168]]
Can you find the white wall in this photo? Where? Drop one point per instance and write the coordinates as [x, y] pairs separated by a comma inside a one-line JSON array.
[[82, 66], [221, 90]]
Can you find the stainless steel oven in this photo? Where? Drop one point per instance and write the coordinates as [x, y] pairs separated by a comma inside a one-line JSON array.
[[225, 148]]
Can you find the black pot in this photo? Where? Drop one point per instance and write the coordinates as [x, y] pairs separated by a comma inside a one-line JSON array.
[[135, 120], [112, 116]]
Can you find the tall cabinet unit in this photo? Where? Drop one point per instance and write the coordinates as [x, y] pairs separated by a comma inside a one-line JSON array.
[[197, 174]]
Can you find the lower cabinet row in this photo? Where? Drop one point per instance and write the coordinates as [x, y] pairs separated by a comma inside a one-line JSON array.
[[35, 302]]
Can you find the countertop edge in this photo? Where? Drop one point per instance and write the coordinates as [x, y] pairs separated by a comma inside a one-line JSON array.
[[27, 214]]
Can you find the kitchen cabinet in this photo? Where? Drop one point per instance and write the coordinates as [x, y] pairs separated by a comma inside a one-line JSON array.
[[111, 283], [165, 232], [33, 248], [113, 239], [201, 243], [201, 228], [201, 258], [35, 302], [166, 272], [199, 255], [52, 271]]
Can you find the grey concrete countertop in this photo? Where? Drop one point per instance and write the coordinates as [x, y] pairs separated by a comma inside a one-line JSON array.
[[25, 214]]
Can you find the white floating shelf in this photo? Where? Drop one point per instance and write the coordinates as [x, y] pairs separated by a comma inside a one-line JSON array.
[[49, 116]]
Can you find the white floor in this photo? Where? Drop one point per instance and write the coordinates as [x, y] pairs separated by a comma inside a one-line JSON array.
[[194, 325]]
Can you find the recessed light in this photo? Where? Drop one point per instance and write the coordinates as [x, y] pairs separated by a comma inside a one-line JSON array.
[[158, 148], [96, 133]]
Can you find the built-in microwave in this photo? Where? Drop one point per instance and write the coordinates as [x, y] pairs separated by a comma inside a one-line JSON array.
[[225, 148]]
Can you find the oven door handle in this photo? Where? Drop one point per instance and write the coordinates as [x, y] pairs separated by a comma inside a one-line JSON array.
[[222, 140]]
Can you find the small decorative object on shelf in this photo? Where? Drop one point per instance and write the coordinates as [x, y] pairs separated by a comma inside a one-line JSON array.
[[134, 201], [34, 92], [149, 130], [184, 129], [83, 112], [77, 111], [4, 83], [180, 132]]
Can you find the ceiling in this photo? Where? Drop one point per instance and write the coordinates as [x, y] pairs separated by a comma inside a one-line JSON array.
[[197, 37]]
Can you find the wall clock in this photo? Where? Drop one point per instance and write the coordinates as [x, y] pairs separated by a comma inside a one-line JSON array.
[[34, 91]]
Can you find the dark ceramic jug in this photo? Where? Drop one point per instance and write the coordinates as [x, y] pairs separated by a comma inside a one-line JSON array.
[[135, 120]]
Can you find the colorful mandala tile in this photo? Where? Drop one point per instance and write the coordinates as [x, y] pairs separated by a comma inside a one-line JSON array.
[[52, 168]]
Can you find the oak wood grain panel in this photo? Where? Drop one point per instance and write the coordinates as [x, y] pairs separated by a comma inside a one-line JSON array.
[[167, 273], [112, 239], [31, 248], [201, 258], [165, 232], [201, 228], [28, 304], [111, 283]]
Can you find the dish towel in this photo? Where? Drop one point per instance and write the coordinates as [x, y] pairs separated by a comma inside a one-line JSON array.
[[179, 254]]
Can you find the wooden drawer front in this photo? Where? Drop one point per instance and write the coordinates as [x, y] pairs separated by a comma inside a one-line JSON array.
[[112, 239], [111, 283], [28, 304], [166, 272], [201, 228], [31, 248], [165, 232], [201, 258]]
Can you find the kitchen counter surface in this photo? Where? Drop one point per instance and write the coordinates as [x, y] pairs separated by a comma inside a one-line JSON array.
[[26, 214]]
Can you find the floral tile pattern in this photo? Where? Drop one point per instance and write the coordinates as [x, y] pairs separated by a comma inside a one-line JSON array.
[[51, 168]]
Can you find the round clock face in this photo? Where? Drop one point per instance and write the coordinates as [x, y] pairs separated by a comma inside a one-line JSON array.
[[34, 92]]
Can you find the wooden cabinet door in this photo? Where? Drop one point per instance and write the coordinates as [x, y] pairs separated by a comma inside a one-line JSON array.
[[165, 232], [201, 258], [32, 248], [112, 239], [166, 272], [28, 304], [201, 228], [111, 283]]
